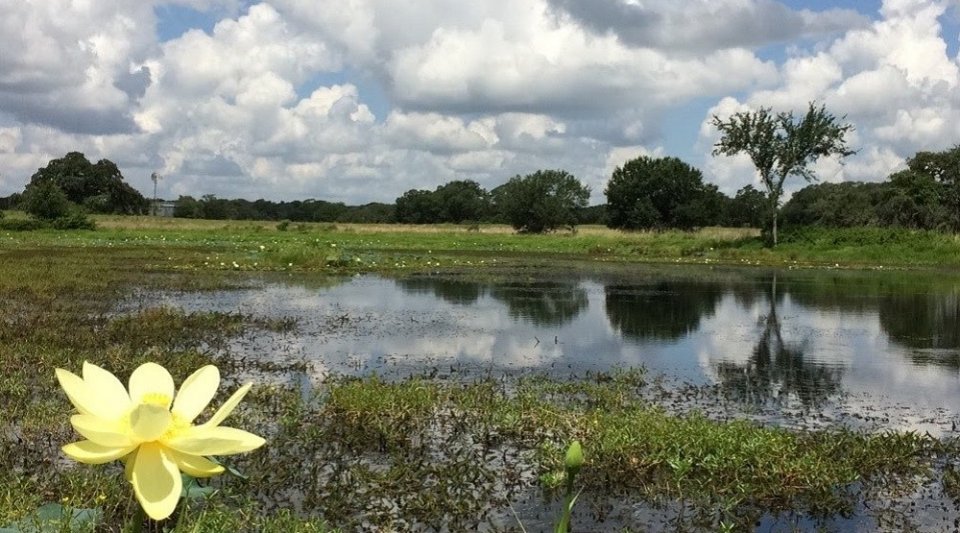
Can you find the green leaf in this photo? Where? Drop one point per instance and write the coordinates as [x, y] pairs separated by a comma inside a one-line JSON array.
[[230, 469], [192, 490], [53, 517]]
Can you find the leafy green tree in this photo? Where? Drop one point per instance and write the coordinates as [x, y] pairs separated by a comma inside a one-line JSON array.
[[418, 206], [594, 214], [372, 213], [462, 200], [747, 208], [11, 202], [781, 146], [100, 187], [218, 208], [913, 200], [944, 168], [543, 201], [842, 205], [188, 207], [456, 201], [321, 211], [662, 192], [708, 208], [46, 201]]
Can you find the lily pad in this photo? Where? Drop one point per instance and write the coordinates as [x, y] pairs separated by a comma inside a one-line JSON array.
[[53, 517]]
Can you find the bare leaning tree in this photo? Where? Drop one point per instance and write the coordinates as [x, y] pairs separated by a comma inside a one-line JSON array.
[[781, 146]]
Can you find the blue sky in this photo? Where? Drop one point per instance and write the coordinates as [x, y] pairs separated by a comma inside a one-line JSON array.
[[175, 20], [361, 101]]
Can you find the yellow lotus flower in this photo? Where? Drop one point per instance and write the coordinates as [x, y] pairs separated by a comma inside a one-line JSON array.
[[152, 431]]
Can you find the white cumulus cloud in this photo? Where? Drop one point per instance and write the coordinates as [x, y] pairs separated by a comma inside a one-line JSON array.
[[360, 100]]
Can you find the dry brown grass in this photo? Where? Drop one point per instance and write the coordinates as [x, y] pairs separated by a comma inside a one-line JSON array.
[[707, 233], [188, 224], [717, 233]]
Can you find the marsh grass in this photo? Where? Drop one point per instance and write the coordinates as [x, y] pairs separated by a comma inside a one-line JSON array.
[[424, 446], [59, 309], [372, 453]]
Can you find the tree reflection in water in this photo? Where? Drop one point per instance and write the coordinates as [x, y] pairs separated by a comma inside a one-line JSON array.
[[927, 323], [455, 291], [661, 311], [919, 313], [777, 372], [542, 303]]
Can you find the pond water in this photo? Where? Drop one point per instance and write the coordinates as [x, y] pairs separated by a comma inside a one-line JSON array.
[[856, 347], [879, 350]]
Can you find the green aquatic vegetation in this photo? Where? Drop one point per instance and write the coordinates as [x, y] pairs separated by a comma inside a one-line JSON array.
[[636, 448], [60, 308], [171, 329], [375, 453], [382, 414]]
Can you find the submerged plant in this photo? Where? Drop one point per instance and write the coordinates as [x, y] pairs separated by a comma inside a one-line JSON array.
[[151, 429]]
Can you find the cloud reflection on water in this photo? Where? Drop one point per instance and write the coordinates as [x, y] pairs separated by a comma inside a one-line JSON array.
[[763, 337]]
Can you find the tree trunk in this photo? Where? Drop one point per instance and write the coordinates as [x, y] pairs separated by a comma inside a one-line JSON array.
[[775, 193], [774, 227], [770, 232]]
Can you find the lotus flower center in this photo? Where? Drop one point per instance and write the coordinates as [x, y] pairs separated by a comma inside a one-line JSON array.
[[149, 421], [157, 398]]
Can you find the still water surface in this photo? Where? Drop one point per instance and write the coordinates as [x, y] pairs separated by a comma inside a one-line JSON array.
[[843, 344]]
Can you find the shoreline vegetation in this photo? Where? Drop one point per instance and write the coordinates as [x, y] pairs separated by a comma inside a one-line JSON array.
[[378, 454], [268, 245]]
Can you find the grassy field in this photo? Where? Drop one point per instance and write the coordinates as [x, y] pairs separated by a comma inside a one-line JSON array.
[[305, 246], [368, 454]]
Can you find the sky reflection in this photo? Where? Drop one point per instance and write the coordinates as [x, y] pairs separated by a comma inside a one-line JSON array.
[[787, 339]]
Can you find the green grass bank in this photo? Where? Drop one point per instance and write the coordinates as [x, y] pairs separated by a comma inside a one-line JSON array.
[[241, 245]]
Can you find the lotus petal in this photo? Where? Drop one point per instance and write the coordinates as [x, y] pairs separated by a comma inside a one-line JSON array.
[[107, 392], [92, 453], [216, 440], [156, 481], [195, 465], [151, 382], [228, 406], [107, 433], [196, 392]]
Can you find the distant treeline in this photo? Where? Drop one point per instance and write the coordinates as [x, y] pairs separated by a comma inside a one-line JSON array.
[[459, 202], [425, 207], [645, 193], [926, 195], [213, 208], [909, 199]]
